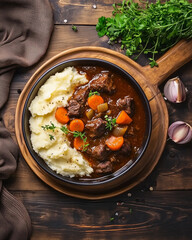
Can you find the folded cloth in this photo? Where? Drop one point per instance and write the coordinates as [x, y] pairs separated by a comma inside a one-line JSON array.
[[25, 30]]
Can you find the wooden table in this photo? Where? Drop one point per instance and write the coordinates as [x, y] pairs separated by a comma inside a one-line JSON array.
[[159, 208]]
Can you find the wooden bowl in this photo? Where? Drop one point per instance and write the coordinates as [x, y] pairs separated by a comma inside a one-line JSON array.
[[144, 79]]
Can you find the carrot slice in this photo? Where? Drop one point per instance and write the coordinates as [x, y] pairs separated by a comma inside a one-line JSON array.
[[114, 143], [61, 115], [78, 143], [94, 101], [123, 118], [76, 125]]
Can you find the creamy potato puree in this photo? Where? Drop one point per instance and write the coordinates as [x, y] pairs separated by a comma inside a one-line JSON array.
[[57, 153]]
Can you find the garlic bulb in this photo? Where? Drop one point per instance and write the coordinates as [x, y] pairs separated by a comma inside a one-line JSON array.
[[174, 90], [180, 132]]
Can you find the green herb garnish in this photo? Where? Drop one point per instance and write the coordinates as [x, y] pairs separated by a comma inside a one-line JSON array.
[[74, 28], [51, 137], [91, 93], [85, 147], [65, 130], [111, 122], [151, 30], [75, 135], [49, 127], [78, 134]]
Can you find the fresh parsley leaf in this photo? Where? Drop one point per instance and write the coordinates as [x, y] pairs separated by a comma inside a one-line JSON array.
[[153, 62], [91, 93], [74, 28], [111, 122], [100, 27]]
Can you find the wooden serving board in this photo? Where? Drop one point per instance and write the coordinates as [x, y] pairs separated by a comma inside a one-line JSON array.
[[148, 78]]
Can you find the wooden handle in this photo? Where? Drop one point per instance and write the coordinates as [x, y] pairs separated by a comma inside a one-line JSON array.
[[172, 60]]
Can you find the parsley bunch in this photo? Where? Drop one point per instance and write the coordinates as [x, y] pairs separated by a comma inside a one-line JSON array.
[[151, 30]]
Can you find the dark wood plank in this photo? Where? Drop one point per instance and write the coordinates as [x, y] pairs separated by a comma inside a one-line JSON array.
[[81, 12], [144, 215]]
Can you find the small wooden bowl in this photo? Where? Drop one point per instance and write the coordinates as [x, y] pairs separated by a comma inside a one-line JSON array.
[[144, 79]]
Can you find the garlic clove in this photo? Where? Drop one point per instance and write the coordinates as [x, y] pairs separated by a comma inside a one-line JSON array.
[[180, 132], [175, 91]]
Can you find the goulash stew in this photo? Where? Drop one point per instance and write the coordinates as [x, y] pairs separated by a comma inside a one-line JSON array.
[[109, 118]]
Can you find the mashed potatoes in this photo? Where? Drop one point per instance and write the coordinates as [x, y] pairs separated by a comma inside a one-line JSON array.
[[57, 152]]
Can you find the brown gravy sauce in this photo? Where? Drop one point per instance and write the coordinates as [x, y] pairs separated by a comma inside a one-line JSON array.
[[123, 88]]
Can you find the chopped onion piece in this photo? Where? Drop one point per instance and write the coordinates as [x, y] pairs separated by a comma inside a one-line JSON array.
[[103, 107], [119, 131], [89, 113]]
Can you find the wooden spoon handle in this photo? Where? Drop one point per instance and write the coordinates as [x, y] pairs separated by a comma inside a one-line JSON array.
[[172, 60]]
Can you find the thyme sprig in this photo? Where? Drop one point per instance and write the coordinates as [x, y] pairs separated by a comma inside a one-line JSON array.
[[49, 127], [51, 137], [111, 122], [91, 93], [66, 131]]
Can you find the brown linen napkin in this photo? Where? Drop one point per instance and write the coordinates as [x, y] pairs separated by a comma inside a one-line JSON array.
[[25, 30]]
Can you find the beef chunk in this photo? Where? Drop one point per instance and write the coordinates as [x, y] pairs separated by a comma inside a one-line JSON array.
[[126, 104], [104, 167], [102, 83], [96, 127], [81, 94], [74, 108], [77, 103], [100, 152], [125, 149]]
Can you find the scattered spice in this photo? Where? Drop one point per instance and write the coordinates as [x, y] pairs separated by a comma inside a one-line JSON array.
[[94, 6], [129, 194], [151, 189]]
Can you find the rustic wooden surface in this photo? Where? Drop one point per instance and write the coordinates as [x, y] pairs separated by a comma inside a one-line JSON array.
[[164, 213]]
